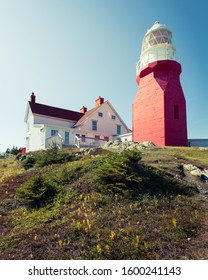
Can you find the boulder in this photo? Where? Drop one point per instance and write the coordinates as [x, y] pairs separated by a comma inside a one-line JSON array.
[[127, 145], [194, 170]]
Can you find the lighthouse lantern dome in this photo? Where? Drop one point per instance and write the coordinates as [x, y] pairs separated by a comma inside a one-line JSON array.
[[156, 45]]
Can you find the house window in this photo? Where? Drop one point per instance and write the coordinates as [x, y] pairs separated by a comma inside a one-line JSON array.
[[100, 114], [113, 117], [118, 129], [83, 138], [66, 138], [176, 112], [54, 132], [94, 125]]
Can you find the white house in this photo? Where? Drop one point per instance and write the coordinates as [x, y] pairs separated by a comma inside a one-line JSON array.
[[47, 125]]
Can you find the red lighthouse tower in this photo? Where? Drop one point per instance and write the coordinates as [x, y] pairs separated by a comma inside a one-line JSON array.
[[159, 108]]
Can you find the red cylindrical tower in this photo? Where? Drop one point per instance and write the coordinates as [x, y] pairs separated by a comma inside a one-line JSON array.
[[159, 109]]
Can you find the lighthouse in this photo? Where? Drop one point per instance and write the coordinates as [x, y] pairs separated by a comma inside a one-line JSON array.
[[159, 108]]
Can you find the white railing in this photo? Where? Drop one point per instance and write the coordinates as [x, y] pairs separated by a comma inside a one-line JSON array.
[[55, 139], [88, 141], [77, 141], [6, 155]]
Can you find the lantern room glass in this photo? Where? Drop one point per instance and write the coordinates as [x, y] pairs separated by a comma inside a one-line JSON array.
[[156, 45]]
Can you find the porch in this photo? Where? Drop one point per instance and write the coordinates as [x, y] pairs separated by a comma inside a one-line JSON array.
[[86, 142], [79, 142]]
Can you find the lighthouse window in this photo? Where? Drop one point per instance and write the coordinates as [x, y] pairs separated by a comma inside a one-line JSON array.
[[176, 112]]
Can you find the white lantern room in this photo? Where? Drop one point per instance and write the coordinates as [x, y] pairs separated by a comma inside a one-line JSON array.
[[156, 45]]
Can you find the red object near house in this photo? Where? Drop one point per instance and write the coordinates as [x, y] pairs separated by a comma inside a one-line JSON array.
[[159, 108], [23, 150]]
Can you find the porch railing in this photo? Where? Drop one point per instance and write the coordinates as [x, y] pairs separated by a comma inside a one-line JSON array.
[[89, 141], [6, 155], [55, 139]]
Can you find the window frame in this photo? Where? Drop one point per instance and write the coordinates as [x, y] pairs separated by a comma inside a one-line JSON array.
[[54, 132], [66, 135], [94, 125], [118, 129], [176, 112]]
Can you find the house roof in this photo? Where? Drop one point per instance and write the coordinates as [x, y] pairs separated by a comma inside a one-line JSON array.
[[79, 118], [90, 112], [55, 112]]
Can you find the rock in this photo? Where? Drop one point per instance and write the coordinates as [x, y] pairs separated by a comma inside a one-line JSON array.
[[148, 144], [130, 148], [189, 167], [196, 172], [204, 177], [107, 144], [116, 142], [127, 145]]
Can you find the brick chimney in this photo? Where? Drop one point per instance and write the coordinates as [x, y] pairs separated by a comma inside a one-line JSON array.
[[32, 98], [99, 101], [83, 110]]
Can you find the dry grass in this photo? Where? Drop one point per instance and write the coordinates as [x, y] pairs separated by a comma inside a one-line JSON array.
[[9, 167]]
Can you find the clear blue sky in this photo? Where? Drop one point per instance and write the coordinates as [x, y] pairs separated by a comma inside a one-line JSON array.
[[71, 51]]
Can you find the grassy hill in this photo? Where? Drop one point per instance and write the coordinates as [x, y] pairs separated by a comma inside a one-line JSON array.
[[102, 204]]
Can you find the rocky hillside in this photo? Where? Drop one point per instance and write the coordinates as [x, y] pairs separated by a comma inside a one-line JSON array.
[[125, 201]]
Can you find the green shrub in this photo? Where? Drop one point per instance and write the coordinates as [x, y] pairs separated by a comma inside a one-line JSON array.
[[118, 173], [53, 155], [37, 191], [29, 162]]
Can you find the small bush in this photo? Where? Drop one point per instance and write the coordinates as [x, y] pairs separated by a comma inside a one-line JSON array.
[[28, 162], [118, 173], [53, 156], [37, 191]]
